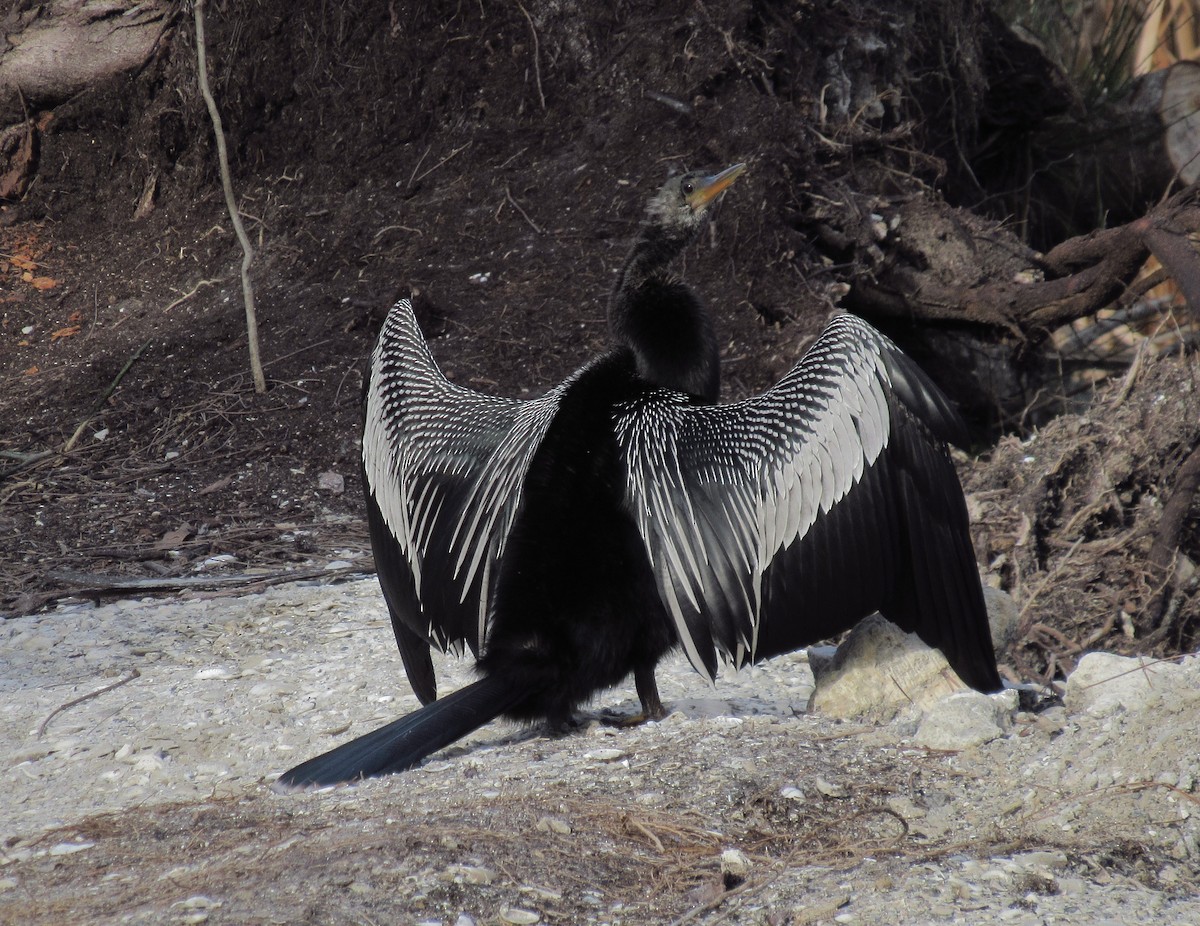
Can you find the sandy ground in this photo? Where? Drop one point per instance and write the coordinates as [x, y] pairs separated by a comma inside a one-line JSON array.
[[150, 802]]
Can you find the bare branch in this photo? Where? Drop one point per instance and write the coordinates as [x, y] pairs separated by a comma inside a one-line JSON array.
[[260, 382]]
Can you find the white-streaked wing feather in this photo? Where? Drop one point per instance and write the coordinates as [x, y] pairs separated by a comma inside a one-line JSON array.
[[445, 465], [760, 471]]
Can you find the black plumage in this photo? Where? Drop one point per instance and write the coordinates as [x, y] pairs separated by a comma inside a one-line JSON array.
[[573, 539]]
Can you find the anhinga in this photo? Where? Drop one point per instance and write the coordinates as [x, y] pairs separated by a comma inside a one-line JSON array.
[[575, 538]]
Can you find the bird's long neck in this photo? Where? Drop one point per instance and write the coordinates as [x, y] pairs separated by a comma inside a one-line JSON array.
[[661, 321]]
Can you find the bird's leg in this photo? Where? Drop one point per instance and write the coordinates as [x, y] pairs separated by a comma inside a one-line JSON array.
[[563, 723], [647, 689], [652, 706]]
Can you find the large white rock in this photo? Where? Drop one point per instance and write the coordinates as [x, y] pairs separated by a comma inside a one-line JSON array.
[[1104, 683], [966, 719], [879, 671]]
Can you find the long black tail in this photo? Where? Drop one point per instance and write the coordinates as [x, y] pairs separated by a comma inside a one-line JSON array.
[[403, 743]]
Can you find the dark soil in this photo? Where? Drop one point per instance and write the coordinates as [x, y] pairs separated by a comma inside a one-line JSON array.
[[491, 163], [369, 165]]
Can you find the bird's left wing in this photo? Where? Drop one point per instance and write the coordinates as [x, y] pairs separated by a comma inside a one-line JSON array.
[[784, 519], [443, 467]]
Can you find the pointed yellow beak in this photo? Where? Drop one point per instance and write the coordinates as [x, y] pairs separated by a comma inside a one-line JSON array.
[[708, 189]]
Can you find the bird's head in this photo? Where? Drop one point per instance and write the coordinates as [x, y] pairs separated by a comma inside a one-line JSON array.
[[682, 203]]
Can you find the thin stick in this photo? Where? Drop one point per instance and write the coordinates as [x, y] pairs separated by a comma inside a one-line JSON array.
[[188, 295], [133, 673], [537, 67], [524, 214], [260, 382], [104, 398], [1050, 578], [457, 151], [88, 584]]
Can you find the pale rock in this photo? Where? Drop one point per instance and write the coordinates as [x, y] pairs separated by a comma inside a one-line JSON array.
[[735, 862], [966, 719], [468, 874], [1104, 683], [879, 671], [829, 789], [604, 755], [331, 482], [68, 848], [549, 824]]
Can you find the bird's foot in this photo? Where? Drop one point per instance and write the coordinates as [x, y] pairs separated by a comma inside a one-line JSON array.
[[612, 718], [565, 725]]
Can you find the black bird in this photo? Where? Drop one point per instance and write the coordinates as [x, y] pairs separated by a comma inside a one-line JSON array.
[[570, 540]]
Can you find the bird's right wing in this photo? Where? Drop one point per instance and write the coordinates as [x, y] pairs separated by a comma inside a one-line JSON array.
[[779, 521], [443, 467]]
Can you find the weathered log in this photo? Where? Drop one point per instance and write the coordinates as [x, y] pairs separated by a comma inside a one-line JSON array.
[[54, 50]]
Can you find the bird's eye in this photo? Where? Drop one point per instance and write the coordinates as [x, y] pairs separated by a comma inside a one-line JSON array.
[[688, 188]]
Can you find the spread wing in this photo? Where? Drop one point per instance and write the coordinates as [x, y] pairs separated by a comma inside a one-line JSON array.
[[784, 519], [442, 469]]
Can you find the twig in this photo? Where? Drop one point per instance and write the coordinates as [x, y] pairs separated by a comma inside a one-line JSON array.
[[1104, 630], [524, 214], [645, 831], [91, 584], [1058, 636], [1049, 578], [188, 295], [275, 360], [717, 901], [67, 447], [120, 376], [260, 382], [457, 151], [41, 730], [537, 67], [1131, 375], [412, 178], [387, 228], [670, 102]]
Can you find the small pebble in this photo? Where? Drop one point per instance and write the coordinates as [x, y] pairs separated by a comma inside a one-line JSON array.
[[69, 848], [553, 825], [469, 874], [735, 862], [519, 917], [604, 755], [829, 789]]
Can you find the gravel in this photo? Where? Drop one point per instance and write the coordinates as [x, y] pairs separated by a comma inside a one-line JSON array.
[[150, 802]]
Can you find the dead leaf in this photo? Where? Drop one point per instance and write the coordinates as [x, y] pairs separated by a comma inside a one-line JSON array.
[[75, 317], [216, 486], [174, 538], [33, 370], [69, 331], [44, 283]]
